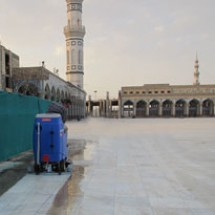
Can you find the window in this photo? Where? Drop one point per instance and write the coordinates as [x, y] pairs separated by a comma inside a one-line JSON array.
[[150, 92], [137, 92], [7, 80], [143, 92], [162, 91], [125, 93], [67, 57], [131, 92], [73, 56], [156, 92], [79, 57], [7, 64]]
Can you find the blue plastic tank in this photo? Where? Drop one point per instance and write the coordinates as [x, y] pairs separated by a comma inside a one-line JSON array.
[[49, 142]]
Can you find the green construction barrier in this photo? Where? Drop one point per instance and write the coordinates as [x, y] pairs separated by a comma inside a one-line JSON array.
[[17, 113]]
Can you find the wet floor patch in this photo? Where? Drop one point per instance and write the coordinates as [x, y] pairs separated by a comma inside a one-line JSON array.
[[70, 195]]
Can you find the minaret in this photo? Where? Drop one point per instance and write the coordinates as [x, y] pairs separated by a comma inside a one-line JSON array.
[[196, 72], [74, 33]]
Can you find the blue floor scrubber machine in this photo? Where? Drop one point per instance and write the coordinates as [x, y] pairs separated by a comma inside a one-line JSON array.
[[50, 143]]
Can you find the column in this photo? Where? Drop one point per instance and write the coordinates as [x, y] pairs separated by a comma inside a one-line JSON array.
[[107, 104], [147, 109], [134, 110], [160, 109], [119, 105], [186, 109], [200, 108], [213, 108], [173, 109]]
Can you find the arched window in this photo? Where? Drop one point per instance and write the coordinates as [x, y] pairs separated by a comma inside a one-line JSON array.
[[208, 108], [180, 108], [79, 57], [141, 109], [167, 108], [47, 92], [67, 55], [194, 108], [29, 89], [58, 95], [73, 56], [53, 94], [128, 109], [154, 108]]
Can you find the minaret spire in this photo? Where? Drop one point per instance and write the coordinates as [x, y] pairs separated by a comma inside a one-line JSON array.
[[196, 71], [74, 32]]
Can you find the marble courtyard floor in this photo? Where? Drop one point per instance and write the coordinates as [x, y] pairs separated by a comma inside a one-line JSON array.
[[127, 166]]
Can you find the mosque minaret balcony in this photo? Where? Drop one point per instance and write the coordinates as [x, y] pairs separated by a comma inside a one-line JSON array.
[[74, 31]]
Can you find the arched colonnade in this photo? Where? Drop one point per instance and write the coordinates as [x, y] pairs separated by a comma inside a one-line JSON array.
[[74, 104], [168, 108]]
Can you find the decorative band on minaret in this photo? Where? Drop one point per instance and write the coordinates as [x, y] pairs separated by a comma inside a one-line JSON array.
[[74, 33], [196, 72]]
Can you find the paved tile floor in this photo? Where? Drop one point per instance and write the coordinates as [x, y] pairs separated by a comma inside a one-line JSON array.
[[145, 167], [128, 166], [32, 195]]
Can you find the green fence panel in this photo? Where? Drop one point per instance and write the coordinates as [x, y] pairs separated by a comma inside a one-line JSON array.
[[17, 113]]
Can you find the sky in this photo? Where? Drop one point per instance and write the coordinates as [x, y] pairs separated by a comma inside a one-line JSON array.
[[127, 43]]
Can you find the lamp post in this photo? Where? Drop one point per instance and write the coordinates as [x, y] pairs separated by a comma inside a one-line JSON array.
[[95, 91]]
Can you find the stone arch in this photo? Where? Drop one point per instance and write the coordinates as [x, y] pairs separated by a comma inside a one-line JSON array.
[[167, 108], [47, 92], [58, 96], [208, 107], [128, 109], [62, 96], [53, 94], [180, 107], [194, 108], [141, 108], [154, 108], [66, 95], [29, 89]]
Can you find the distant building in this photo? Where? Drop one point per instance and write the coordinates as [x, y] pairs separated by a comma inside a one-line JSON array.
[[8, 60], [164, 100], [38, 81]]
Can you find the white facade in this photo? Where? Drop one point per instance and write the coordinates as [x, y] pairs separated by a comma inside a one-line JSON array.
[[38, 81], [74, 33]]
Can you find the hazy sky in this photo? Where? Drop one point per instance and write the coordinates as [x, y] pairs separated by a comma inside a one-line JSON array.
[[126, 43]]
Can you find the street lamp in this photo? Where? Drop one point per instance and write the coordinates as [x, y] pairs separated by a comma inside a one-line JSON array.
[[95, 91]]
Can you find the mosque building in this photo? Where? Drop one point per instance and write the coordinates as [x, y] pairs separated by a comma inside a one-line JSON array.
[[165, 100], [39, 81]]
